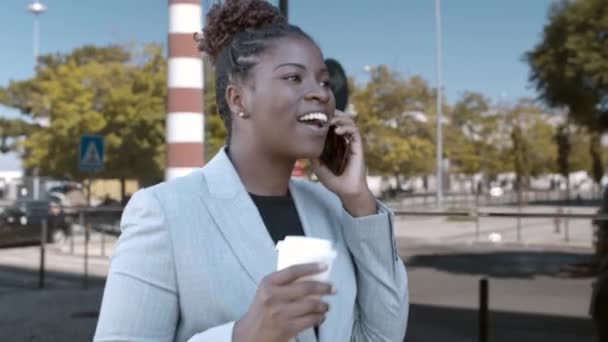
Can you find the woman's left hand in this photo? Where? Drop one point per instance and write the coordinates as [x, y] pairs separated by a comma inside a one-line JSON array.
[[351, 185]]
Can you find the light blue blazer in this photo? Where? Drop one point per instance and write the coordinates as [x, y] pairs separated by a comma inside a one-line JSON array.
[[193, 251]]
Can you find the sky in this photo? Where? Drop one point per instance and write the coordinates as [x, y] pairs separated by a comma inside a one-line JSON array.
[[483, 40]]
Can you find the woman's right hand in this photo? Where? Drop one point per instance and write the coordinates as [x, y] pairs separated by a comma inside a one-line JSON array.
[[283, 306]]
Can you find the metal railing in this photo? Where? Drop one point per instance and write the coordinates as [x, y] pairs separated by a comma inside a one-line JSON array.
[[77, 223], [476, 214], [485, 199]]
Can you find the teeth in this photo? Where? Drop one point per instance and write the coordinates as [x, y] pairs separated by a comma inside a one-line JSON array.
[[318, 116]]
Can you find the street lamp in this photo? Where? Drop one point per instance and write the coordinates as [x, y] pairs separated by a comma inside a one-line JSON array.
[[439, 105], [284, 7], [36, 8]]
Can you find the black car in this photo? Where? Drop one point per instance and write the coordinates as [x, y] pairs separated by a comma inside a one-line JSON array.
[[21, 223]]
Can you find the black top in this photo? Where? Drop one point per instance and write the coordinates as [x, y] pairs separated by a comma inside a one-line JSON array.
[[280, 215], [281, 218]]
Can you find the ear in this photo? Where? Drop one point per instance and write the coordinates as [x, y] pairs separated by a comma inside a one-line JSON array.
[[234, 98]]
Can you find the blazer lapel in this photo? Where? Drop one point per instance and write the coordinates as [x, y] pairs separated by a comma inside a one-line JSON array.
[[316, 224], [309, 211], [240, 223], [238, 218]]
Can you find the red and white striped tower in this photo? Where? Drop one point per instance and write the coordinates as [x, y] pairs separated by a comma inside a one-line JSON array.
[[185, 119]]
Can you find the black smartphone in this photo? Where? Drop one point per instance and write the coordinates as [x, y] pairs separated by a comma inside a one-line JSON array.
[[336, 152]]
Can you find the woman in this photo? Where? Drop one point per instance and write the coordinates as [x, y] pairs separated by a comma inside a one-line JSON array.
[[196, 259]]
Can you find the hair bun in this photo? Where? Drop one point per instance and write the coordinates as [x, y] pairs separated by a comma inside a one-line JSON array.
[[233, 16]]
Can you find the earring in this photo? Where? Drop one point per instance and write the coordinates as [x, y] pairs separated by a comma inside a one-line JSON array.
[[242, 115]]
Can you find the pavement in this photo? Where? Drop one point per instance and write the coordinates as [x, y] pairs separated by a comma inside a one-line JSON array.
[[539, 232], [536, 289], [533, 293]]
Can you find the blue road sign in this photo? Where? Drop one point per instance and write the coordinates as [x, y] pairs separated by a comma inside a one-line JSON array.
[[90, 152]]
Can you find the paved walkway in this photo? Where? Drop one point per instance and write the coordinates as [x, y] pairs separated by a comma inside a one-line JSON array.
[[532, 298], [575, 233]]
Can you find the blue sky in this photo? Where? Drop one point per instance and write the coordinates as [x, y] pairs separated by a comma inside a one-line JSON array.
[[483, 40]]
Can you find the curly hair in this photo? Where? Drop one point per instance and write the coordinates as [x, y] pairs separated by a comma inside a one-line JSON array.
[[236, 34]]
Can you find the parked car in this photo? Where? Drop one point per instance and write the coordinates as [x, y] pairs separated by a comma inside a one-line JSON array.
[[21, 222]]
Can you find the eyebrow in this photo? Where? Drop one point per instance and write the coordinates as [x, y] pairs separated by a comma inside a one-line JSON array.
[[323, 70], [290, 64]]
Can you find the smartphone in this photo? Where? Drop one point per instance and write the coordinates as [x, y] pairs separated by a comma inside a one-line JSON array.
[[336, 151]]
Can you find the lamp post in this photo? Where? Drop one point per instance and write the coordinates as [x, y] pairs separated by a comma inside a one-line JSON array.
[[439, 105], [36, 8], [284, 7]]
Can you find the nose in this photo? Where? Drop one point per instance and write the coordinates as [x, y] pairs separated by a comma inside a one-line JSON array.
[[319, 92]]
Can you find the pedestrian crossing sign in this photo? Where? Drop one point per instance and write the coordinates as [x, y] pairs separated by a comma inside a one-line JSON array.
[[91, 152]]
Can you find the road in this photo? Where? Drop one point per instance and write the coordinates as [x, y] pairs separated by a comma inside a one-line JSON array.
[[532, 294]]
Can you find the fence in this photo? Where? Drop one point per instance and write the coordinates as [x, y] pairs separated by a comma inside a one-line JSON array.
[[467, 199], [72, 233]]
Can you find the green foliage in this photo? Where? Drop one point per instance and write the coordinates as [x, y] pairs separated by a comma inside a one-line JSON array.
[[215, 131], [120, 93], [542, 152], [391, 117], [562, 139], [580, 158], [595, 151], [10, 131], [569, 67], [472, 135], [533, 151], [111, 91], [579, 149]]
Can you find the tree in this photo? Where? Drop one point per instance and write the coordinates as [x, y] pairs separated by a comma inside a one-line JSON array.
[[579, 149], [113, 91], [134, 109], [393, 117], [580, 157], [521, 160], [543, 151], [597, 165], [569, 67], [533, 151], [562, 139], [472, 136], [10, 131], [215, 131]]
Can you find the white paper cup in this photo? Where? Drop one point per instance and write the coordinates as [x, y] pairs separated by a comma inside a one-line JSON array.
[[295, 250], [308, 243], [286, 260]]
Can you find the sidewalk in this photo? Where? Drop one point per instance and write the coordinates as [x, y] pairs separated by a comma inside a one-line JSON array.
[[531, 299], [51, 315], [534, 231], [70, 315]]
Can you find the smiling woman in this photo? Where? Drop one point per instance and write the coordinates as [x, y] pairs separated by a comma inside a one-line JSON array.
[[274, 76], [196, 260]]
